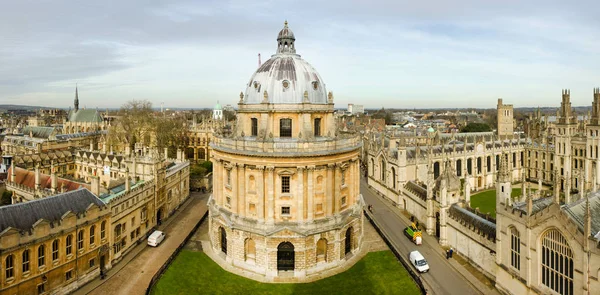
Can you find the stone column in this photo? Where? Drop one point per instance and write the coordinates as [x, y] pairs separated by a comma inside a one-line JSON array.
[[310, 192], [234, 188], [195, 154], [329, 190], [300, 194], [337, 188], [260, 191], [270, 196], [241, 192]]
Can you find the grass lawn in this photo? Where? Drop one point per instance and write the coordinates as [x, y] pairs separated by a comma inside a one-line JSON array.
[[486, 201], [195, 273]]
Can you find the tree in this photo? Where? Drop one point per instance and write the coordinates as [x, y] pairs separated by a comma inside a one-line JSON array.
[[6, 198], [134, 124], [476, 127]]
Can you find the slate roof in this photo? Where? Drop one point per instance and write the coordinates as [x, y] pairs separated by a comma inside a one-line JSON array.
[[23, 216], [538, 205], [38, 132], [576, 211], [85, 116]]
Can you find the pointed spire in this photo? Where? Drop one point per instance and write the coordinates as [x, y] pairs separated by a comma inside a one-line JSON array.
[[76, 104], [587, 226]]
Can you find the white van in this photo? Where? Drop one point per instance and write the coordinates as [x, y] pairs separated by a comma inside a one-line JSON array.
[[155, 238], [418, 261]]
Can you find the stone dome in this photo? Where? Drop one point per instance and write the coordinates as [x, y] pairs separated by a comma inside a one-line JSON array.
[[286, 78]]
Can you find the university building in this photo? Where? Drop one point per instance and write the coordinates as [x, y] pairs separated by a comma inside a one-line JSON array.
[[286, 201]]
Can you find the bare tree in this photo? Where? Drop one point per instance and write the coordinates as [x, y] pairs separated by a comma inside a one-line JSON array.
[[135, 124]]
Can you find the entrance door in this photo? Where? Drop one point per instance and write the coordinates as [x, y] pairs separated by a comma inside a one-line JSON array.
[[285, 256], [437, 225], [159, 216], [223, 240], [348, 241]]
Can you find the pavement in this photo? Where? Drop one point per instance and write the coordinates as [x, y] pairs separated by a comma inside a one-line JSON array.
[[446, 276], [133, 273]]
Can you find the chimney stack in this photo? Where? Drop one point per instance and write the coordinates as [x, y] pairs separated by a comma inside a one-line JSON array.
[[53, 178], [95, 185], [166, 153], [127, 183], [37, 177]]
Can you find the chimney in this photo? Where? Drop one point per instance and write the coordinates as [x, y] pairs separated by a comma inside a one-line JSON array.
[[127, 150], [127, 183], [13, 173], [95, 185], [53, 178], [134, 169], [37, 177], [91, 146], [166, 153]]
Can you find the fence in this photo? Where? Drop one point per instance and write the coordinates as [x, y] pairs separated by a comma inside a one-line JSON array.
[[162, 269], [400, 257]]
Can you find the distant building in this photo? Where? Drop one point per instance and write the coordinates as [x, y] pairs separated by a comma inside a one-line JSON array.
[[218, 112], [356, 109], [505, 119], [81, 120]]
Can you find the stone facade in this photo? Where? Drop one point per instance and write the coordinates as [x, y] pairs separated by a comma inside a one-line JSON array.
[[286, 181], [505, 119]]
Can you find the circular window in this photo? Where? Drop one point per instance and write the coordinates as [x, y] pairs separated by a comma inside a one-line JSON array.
[[286, 84], [315, 85], [255, 84]]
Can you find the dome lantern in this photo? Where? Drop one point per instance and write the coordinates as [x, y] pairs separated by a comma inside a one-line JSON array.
[[285, 40]]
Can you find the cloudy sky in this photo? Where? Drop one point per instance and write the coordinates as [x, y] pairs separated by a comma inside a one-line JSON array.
[[403, 54]]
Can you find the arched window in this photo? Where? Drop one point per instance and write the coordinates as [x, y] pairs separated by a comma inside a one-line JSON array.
[[25, 260], [393, 178], [372, 167], [103, 230], [9, 266], [92, 234], [254, 123], [459, 167], [54, 250], [557, 263], [321, 250], [250, 249], [285, 128], [80, 240], [383, 170], [69, 248], [515, 248], [41, 255], [436, 170]]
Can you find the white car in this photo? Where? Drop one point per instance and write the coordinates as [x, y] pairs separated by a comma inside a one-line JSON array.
[[418, 261], [155, 238]]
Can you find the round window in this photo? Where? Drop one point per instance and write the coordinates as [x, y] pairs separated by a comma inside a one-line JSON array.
[[315, 85], [286, 84]]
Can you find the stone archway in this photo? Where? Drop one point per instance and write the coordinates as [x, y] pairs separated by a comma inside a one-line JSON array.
[[348, 241], [285, 256], [223, 235]]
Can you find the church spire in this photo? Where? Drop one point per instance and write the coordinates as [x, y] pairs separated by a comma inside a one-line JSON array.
[[76, 99]]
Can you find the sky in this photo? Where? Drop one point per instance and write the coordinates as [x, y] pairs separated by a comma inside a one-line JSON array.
[[392, 54]]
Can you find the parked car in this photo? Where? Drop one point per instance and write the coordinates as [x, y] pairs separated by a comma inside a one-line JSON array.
[[155, 238], [418, 261]]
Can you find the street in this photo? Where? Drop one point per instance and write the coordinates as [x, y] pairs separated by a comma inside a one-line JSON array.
[[442, 278]]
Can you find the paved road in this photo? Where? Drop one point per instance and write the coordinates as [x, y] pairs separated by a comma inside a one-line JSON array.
[[133, 274], [442, 278]]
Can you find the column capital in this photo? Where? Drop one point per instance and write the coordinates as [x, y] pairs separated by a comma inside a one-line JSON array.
[[270, 168], [260, 167], [329, 166], [301, 168], [311, 168]]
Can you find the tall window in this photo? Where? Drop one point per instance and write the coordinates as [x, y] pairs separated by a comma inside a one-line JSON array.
[[92, 234], [254, 123], [557, 263], [9, 266], [25, 261], [103, 230], [317, 127], [42, 256], [69, 242], [393, 178], [515, 248], [285, 128], [285, 184], [55, 250], [80, 240], [383, 170], [228, 177]]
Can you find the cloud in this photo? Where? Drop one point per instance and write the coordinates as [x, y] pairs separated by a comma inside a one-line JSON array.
[[393, 53]]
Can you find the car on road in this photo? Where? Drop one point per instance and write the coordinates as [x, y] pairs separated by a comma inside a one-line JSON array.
[[418, 261], [155, 238]]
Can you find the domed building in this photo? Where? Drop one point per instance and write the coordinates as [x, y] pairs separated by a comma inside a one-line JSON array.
[[286, 202]]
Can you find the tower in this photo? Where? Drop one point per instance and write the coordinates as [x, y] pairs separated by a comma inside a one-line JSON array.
[[505, 119], [503, 186]]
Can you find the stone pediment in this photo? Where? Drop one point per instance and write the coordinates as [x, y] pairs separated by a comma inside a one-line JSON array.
[[286, 232]]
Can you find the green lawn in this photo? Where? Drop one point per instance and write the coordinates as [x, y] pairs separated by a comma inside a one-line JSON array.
[[486, 201], [195, 273]]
